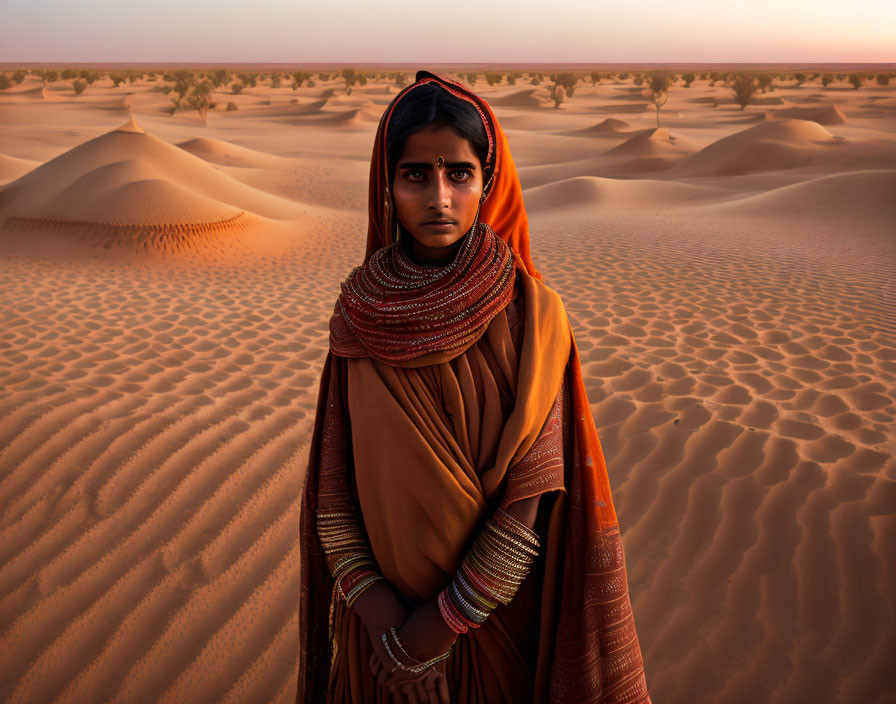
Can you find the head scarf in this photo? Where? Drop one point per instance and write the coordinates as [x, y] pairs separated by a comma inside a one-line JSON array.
[[503, 208]]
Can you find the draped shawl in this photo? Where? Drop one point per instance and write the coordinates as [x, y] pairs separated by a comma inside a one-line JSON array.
[[407, 449]]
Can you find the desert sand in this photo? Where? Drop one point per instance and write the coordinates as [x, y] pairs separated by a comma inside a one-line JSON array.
[[166, 289]]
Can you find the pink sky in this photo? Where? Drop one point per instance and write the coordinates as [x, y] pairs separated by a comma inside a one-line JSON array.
[[767, 31]]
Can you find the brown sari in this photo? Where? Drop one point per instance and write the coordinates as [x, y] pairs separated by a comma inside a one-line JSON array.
[[427, 449]]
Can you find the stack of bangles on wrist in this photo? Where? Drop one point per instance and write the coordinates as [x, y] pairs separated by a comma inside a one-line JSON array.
[[348, 553], [490, 573], [403, 660]]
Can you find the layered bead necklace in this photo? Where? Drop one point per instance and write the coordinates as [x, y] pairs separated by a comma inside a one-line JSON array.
[[394, 309]]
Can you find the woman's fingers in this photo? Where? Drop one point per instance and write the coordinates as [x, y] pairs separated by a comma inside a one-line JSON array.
[[409, 689], [421, 695], [429, 688], [442, 689], [382, 674]]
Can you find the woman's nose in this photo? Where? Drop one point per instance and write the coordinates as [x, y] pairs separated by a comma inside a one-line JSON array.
[[440, 192]]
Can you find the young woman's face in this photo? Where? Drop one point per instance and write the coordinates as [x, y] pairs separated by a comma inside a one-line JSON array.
[[424, 191]]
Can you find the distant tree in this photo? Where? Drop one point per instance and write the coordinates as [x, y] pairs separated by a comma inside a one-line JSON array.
[[638, 80], [883, 79], [826, 80], [513, 77], [248, 79], [856, 80], [51, 76], [79, 85], [199, 100], [299, 77], [133, 76], [401, 79], [350, 76], [471, 78], [323, 76], [231, 106], [4, 81], [764, 81], [493, 78], [623, 76], [595, 77], [659, 88], [688, 78], [183, 80], [557, 94], [567, 80], [276, 80], [117, 77], [800, 79], [236, 88], [218, 77], [744, 86], [18, 76]]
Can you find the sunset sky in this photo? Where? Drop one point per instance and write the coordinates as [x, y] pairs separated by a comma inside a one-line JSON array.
[[293, 31]]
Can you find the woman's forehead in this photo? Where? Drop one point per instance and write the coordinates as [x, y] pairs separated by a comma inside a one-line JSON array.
[[441, 141]]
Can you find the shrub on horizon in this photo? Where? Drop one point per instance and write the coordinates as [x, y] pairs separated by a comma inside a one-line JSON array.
[[659, 89], [744, 85]]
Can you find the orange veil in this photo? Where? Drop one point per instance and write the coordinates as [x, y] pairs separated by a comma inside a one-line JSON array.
[[589, 649]]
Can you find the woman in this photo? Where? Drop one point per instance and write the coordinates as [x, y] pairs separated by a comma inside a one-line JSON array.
[[458, 536]]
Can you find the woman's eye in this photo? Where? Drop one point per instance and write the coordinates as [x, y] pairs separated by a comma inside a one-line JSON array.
[[464, 172]]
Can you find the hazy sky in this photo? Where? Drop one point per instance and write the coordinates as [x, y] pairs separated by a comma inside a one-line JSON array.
[[421, 31]]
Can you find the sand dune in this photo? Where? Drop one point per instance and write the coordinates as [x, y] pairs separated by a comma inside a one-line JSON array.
[[128, 187], [851, 197], [729, 290], [217, 151], [611, 127], [528, 97], [777, 144], [12, 167], [610, 194], [826, 115]]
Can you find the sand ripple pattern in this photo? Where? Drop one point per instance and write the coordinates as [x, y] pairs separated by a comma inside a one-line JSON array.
[[154, 419], [161, 238], [743, 385]]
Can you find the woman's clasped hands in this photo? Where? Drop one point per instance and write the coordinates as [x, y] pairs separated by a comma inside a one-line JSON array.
[[417, 636]]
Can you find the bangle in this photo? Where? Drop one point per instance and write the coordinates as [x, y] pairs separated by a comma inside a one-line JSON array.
[[419, 666], [453, 621]]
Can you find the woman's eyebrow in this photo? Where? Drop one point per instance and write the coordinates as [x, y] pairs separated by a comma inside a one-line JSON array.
[[428, 165]]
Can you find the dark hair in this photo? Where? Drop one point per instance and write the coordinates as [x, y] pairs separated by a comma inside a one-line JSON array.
[[429, 103]]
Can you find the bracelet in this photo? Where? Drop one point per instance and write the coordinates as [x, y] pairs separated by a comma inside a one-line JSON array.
[[491, 572], [455, 623], [419, 666]]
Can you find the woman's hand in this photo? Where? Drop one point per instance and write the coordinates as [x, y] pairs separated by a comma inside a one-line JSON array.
[[380, 609], [428, 687], [424, 635]]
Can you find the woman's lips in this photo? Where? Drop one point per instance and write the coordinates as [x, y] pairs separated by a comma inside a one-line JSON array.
[[447, 225]]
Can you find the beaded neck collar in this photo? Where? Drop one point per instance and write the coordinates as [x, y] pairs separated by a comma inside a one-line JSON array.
[[394, 309]]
